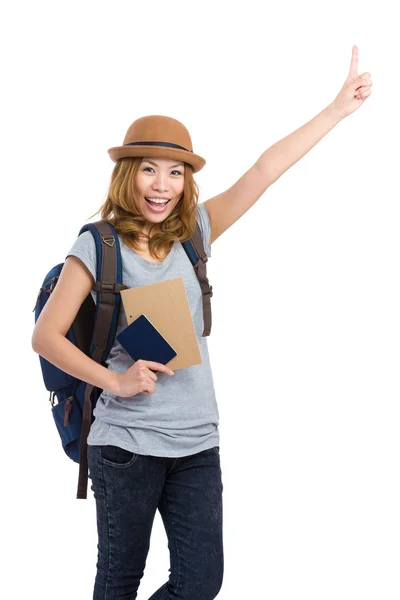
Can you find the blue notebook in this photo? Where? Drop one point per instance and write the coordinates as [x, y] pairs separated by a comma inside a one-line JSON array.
[[143, 341]]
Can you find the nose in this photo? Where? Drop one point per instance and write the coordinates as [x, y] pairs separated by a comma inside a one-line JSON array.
[[160, 182]]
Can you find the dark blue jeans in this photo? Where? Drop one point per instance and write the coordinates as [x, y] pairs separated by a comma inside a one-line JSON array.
[[128, 489]]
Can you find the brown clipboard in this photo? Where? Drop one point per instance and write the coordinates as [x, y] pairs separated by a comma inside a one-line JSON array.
[[166, 305]]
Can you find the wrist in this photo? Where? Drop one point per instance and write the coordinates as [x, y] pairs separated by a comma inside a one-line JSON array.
[[114, 383], [334, 113]]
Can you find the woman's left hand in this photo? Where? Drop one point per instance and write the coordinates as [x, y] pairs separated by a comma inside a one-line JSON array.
[[355, 89]]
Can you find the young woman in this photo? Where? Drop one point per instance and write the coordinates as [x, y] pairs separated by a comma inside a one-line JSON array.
[[154, 443]]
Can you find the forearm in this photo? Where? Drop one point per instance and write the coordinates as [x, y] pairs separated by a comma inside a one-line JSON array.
[[285, 153], [63, 354]]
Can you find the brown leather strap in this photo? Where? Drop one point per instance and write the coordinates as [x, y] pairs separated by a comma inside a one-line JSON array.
[[201, 272], [107, 289], [116, 288]]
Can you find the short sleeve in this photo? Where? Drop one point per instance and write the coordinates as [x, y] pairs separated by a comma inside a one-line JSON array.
[[205, 227], [84, 248]]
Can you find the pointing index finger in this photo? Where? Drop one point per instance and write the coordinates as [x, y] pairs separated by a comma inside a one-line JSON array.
[[354, 62]]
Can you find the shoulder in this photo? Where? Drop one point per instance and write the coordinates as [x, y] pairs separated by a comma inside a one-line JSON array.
[[84, 248]]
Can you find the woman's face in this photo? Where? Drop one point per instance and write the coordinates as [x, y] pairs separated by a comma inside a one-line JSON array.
[[160, 180]]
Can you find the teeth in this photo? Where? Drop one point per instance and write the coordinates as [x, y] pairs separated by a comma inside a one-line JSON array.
[[158, 200]]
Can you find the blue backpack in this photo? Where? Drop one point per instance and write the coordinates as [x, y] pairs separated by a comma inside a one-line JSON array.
[[93, 332]]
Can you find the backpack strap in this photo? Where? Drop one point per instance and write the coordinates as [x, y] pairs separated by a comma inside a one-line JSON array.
[[195, 250], [108, 287]]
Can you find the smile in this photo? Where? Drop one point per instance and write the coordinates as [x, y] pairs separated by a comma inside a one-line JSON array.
[[157, 204]]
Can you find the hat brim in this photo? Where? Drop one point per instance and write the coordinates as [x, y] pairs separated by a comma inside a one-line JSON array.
[[196, 161]]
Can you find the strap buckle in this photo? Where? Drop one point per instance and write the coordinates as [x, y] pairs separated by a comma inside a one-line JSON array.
[[110, 241], [101, 286], [53, 283]]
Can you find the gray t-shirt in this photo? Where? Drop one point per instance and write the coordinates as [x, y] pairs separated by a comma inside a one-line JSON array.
[[181, 417]]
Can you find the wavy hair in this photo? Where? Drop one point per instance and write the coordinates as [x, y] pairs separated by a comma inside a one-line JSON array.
[[121, 209]]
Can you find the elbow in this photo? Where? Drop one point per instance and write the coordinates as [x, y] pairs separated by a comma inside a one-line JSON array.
[[36, 341], [39, 341], [45, 341]]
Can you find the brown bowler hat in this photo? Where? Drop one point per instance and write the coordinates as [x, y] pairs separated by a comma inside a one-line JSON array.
[[158, 136]]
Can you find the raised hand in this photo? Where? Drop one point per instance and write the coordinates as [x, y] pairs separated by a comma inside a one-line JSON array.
[[356, 89]]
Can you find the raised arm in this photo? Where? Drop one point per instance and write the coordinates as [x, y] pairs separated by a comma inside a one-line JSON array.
[[226, 208]]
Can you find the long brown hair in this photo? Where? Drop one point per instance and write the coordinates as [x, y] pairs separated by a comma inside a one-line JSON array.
[[121, 209]]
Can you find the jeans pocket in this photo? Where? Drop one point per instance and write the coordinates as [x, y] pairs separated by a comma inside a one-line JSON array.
[[216, 450], [115, 456]]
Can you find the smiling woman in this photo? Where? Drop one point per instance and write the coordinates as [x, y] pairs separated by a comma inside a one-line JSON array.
[[154, 441]]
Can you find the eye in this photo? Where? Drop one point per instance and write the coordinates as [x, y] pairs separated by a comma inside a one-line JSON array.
[[175, 171]]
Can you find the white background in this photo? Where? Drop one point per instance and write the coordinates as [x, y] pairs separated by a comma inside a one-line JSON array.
[[306, 328]]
